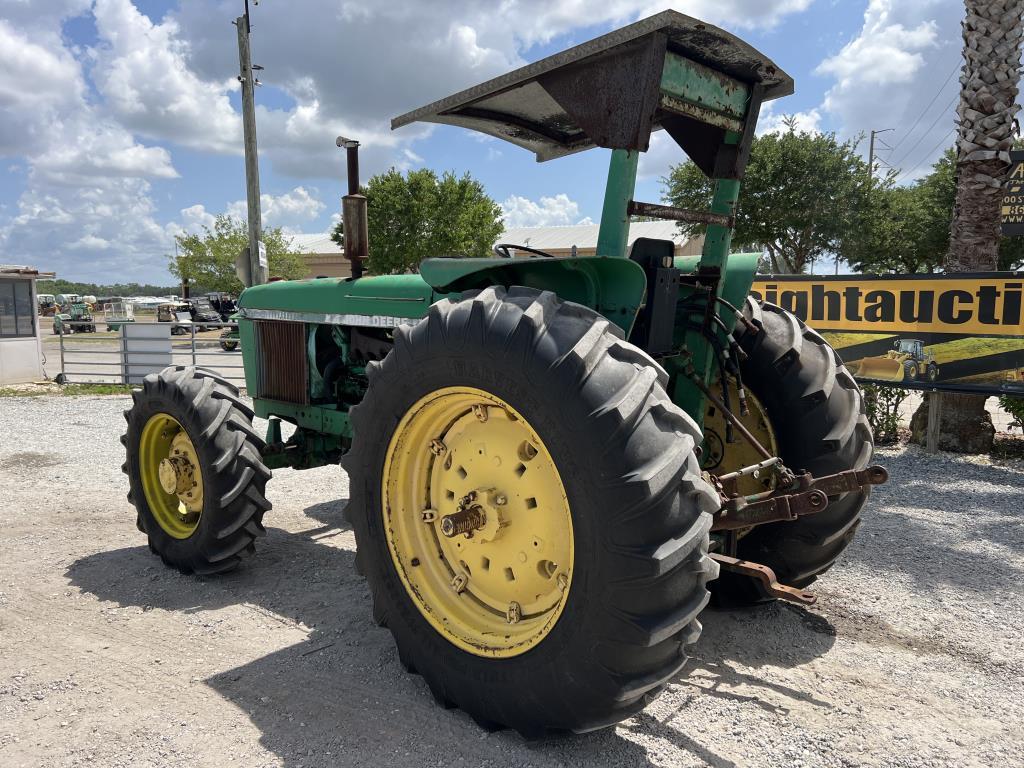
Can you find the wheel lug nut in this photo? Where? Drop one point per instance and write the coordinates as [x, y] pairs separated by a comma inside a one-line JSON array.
[[437, 447], [563, 581], [480, 411], [500, 500], [459, 582], [428, 515], [514, 613]]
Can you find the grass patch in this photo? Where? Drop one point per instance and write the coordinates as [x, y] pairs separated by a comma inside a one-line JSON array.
[[68, 390]]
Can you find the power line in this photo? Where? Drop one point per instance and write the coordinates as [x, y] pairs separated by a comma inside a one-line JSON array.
[[935, 122], [927, 154], [925, 110]]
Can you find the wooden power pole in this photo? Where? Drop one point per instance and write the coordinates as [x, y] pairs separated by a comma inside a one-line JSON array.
[[247, 77]]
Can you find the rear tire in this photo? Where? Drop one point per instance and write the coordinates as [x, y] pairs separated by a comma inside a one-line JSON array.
[[233, 476], [817, 414], [639, 508]]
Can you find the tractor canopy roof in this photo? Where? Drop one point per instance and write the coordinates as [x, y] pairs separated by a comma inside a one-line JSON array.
[[614, 90]]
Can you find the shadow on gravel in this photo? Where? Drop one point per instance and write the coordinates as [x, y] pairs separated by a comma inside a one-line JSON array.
[[771, 635], [342, 698], [947, 523]]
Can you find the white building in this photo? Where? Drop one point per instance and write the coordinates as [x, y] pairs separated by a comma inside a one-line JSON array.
[[21, 348], [325, 258], [559, 241]]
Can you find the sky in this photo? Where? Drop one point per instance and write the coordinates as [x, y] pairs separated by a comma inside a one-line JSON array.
[[120, 121]]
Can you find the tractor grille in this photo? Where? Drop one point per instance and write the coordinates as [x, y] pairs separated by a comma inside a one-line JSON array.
[[281, 370]]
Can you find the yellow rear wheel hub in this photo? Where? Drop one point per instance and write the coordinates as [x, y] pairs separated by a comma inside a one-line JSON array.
[[721, 457], [477, 522], [171, 476]]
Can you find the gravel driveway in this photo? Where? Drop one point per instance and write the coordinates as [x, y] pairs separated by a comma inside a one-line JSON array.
[[912, 656]]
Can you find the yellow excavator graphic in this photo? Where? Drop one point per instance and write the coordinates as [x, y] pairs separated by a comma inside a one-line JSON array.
[[906, 361]]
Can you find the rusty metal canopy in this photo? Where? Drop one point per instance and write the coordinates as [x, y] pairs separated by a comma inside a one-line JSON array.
[[604, 92]]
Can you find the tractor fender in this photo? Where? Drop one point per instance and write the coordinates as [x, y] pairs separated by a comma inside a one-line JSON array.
[[613, 287]]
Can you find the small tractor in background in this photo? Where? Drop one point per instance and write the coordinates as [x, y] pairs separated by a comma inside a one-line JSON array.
[[907, 361], [47, 304], [553, 462], [73, 316]]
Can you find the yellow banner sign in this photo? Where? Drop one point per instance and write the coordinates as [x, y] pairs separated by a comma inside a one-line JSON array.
[[974, 305]]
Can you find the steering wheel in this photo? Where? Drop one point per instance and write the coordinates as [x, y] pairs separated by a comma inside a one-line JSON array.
[[501, 250]]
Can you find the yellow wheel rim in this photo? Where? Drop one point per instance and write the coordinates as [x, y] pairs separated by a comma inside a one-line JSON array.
[[477, 522], [720, 457], [172, 479]]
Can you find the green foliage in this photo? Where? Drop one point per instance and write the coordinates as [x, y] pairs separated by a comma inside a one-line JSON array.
[[67, 390], [883, 405], [804, 196], [419, 215], [209, 259], [908, 227], [116, 289], [1015, 407]]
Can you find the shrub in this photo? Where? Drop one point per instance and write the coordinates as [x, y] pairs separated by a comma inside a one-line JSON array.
[[883, 404], [1015, 407]]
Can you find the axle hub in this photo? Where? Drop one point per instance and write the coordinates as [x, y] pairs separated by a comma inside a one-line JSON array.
[[175, 474], [464, 521]]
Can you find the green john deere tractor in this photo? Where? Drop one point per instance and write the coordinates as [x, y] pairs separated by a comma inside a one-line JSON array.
[[550, 459]]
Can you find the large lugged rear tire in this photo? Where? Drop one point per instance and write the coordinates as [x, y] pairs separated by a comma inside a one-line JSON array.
[[817, 414], [624, 455], [190, 424]]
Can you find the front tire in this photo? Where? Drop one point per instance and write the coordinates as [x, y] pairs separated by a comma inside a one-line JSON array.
[[624, 455], [194, 469], [817, 415]]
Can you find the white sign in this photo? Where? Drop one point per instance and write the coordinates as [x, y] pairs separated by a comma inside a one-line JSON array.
[[263, 255]]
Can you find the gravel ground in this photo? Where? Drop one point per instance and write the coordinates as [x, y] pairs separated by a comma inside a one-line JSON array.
[[912, 656]]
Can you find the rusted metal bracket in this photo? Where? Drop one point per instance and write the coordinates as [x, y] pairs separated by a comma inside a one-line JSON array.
[[844, 482], [739, 513], [767, 577], [656, 211], [804, 495]]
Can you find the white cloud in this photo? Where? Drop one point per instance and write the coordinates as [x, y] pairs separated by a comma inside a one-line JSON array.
[[905, 55], [288, 209], [884, 53], [548, 211], [105, 230], [770, 122], [142, 72], [84, 207], [93, 128]]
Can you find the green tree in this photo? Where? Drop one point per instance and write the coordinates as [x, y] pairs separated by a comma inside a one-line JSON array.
[[899, 233], [908, 228], [208, 259], [419, 215], [803, 196]]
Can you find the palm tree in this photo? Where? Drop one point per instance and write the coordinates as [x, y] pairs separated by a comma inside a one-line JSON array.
[[988, 93]]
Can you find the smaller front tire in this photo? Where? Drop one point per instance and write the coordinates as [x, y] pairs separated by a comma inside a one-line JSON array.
[[194, 468]]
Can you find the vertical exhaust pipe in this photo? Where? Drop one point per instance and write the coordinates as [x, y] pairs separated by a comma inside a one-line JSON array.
[[354, 211]]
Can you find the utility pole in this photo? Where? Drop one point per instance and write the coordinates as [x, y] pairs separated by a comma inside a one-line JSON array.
[[247, 77], [871, 155]]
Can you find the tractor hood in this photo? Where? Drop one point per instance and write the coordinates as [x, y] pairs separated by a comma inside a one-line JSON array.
[[335, 300]]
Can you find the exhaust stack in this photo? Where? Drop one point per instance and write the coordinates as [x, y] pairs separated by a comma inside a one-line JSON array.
[[354, 211]]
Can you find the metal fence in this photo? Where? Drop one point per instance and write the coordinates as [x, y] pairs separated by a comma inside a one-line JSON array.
[[89, 356]]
